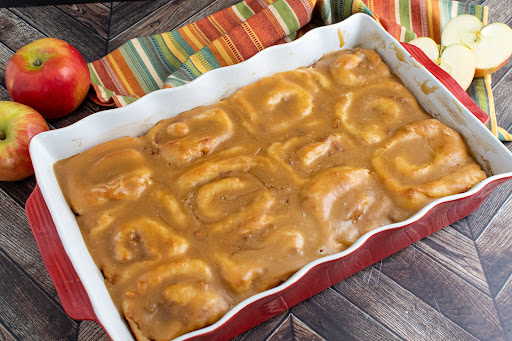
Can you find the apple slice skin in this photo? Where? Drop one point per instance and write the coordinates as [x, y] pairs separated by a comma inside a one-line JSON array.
[[458, 61], [54, 88], [18, 124]]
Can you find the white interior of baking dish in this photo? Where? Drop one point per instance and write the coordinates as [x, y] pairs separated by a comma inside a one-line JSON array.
[[137, 118]]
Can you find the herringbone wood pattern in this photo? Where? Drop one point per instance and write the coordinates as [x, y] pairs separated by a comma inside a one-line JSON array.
[[453, 285]]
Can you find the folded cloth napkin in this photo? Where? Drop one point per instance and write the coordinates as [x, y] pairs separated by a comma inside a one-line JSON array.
[[235, 34]]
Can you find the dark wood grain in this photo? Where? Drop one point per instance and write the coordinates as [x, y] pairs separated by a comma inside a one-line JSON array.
[[334, 317], [126, 14], [62, 26], [302, 332], [93, 16], [19, 245], [20, 190], [22, 300], [5, 335], [283, 331], [501, 90], [294, 329], [440, 288], [213, 7], [458, 254], [476, 222], [5, 54], [453, 285], [168, 17], [504, 302], [15, 33], [499, 11], [263, 330], [91, 331], [397, 308], [24, 3], [495, 247]]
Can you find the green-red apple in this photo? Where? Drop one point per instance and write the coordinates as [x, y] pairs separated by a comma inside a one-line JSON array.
[[48, 75], [18, 124]]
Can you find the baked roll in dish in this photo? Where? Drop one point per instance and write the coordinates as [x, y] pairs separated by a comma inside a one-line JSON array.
[[224, 201]]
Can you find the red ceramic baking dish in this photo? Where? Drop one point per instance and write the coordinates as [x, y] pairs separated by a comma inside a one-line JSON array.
[[80, 284]]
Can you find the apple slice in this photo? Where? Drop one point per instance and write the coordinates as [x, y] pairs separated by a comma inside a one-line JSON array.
[[491, 44], [463, 29], [458, 61], [428, 46]]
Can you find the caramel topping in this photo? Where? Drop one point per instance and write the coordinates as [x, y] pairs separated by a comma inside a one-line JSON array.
[[227, 200]]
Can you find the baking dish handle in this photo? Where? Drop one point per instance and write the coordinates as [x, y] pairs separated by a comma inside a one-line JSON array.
[[450, 83], [71, 292]]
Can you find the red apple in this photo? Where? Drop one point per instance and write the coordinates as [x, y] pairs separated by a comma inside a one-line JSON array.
[[18, 124], [48, 75]]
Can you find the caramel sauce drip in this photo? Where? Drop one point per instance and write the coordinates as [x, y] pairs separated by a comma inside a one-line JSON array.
[[227, 200]]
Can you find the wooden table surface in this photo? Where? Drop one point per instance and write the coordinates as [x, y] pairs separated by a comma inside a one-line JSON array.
[[454, 285]]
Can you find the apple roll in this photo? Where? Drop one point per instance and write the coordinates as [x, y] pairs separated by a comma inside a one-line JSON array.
[[201, 131], [173, 299], [224, 201], [119, 172], [372, 113], [424, 161]]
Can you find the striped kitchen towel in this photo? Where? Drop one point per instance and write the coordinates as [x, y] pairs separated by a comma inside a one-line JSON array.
[[235, 34]]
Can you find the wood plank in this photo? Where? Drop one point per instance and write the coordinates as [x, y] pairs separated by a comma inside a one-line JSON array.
[[263, 330], [499, 10], [167, 18], [5, 54], [93, 16], [398, 309], [214, 7], [4, 94], [17, 242], [302, 332], [19, 3], [495, 248], [334, 317], [477, 221], [91, 331], [462, 227], [5, 335], [440, 288], [19, 190], [90, 44], [126, 14], [14, 32], [458, 254], [284, 331], [294, 329], [27, 311], [504, 304], [503, 101]]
